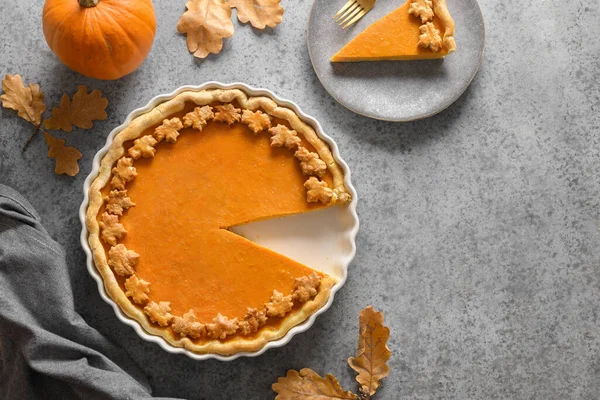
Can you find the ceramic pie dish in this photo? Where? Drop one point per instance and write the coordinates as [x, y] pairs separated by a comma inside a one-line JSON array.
[[219, 221]]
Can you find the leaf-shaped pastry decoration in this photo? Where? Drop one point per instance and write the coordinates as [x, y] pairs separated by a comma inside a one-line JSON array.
[[206, 23], [27, 101], [308, 385], [260, 13], [80, 112], [66, 157], [373, 353]]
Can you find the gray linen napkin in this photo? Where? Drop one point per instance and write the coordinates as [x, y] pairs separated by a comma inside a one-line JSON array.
[[47, 350]]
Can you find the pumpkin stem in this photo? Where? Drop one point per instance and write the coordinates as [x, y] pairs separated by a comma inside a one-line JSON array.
[[88, 3]]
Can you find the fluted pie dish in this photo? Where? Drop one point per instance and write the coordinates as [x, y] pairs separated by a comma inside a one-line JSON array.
[[165, 197]]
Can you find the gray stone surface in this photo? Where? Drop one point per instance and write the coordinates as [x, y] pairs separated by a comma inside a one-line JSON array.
[[479, 234]]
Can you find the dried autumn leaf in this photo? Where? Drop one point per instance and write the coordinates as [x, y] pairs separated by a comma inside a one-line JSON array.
[[206, 23], [259, 13], [308, 385], [373, 353], [80, 112], [27, 101], [66, 157]]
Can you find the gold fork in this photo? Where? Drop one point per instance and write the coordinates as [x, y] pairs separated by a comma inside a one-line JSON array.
[[353, 11]]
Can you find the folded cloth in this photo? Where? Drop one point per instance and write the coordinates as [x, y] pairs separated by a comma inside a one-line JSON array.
[[47, 350]]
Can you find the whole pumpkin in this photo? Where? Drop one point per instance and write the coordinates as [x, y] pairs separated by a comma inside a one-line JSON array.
[[102, 39]]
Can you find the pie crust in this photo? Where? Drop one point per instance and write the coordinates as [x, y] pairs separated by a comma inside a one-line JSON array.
[[98, 199]]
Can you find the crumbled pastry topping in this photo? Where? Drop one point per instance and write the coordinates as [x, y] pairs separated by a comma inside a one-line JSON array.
[[198, 118], [422, 9], [111, 228], [253, 320], [430, 37], [342, 196], [318, 191], [310, 162], [160, 312], [227, 113], [221, 327], [283, 136], [169, 130], [117, 201], [143, 147], [122, 261], [137, 289], [123, 173], [279, 305], [188, 325], [257, 121], [306, 287]]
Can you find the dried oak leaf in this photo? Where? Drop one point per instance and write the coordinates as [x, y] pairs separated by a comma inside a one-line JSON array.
[[373, 353], [80, 112], [221, 327], [257, 121], [310, 163], [66, 157], [169, 130], [422, 9], [228, 113], [159, 312], [318, 191], [283, 136], [117, 201], [198, 118], [206, 23], [308, 385], [27, 101], [123, 173], [122, 260], [143, 147], [279, 305], [111, 228], [260, 13], [188, 325], [137, 289], [430, 37]]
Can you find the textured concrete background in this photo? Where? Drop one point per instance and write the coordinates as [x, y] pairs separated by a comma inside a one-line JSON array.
[[479, 234]]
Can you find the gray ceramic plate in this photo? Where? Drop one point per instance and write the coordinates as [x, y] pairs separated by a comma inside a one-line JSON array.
[[395, 90]]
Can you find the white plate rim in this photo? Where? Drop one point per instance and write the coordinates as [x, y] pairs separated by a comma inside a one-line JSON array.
[[350, 234]]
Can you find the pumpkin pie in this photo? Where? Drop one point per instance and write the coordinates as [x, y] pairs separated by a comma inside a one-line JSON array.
[[169, 189], [417, 30]]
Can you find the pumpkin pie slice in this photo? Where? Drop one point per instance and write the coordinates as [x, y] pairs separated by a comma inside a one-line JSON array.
[[169, 189], [417, 30]]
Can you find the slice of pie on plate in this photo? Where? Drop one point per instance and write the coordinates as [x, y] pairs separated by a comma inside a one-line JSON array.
[[417, 30], [169, 188]]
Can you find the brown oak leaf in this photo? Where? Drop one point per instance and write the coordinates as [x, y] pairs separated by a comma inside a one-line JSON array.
[[66, 157], [318, 191], [122, 260], [143, 147], [169, 130], [228, 113], [27, 101], [159, 312], [123, 173], [283, 136], [198, 118], [308, 385], [81, 111], [260, 13], [117, 201], [373, 353], [206, 23], [137, 289], [111, 228], [257, 121]]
